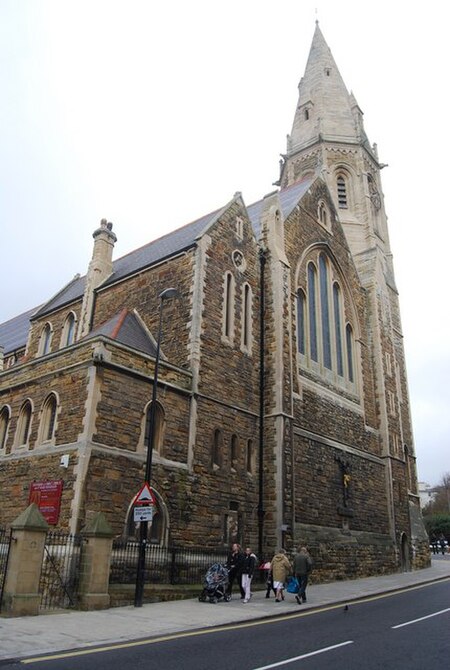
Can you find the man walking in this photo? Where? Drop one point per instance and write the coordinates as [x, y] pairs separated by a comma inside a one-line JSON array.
[[302, 567]]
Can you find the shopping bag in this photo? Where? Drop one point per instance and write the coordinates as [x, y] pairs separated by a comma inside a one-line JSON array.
[[293, 586]]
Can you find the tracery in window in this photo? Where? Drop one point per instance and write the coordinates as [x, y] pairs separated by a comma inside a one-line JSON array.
[[324, 335]]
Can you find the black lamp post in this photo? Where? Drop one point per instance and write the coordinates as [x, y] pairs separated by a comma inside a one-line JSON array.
[[143, 528]]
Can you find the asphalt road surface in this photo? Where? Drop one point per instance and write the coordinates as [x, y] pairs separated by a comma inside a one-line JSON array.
[[409, 630]]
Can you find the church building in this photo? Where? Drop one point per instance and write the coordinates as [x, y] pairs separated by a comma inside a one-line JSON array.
[[281, 414]]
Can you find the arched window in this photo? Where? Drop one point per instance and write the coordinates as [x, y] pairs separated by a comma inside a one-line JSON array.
[[250, 458], [338, 328], [341, 186], [323, 214], [156, 529], [349, 343], [158, 435], [301, 342], [324, 334], [247, 318], [312, 282], [5, 417], [68, 334], [228, 307], [48, 419], [46, 339], [234, 452], [325, 312], [23, 424], [217, 449]]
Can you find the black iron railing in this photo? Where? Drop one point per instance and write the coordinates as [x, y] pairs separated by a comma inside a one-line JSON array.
[[163, 565], [60, 570]]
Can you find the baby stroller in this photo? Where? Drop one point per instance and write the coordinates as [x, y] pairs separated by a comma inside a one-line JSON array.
[[215, 585]]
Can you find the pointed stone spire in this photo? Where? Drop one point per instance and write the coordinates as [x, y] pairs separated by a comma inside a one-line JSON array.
[[324, 109]]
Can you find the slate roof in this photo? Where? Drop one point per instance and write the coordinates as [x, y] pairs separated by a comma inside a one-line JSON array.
[[125, 327], [14, 333]]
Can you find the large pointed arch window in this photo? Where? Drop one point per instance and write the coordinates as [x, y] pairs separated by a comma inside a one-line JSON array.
[[325, 340], [157, 529]]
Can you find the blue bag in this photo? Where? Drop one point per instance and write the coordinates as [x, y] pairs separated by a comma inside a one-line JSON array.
[[293, 586]]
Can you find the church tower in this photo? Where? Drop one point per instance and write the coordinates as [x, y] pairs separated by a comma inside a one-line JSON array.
[[328, 140]]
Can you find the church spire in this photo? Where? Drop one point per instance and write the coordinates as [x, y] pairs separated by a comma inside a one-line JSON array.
[[325, 110]]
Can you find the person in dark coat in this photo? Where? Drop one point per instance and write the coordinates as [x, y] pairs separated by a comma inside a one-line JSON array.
[[235, 561], [302, 567], [248, 568]]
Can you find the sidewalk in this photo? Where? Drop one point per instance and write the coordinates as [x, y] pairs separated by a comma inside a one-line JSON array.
[[31, 636]]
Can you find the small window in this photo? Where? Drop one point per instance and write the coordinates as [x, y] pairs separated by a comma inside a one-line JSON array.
[[250, 458], [349, 343], [323, 214], [247, 318], [239, 228], [234, 452], [4, 425], [46, 339], [23, 424], [306, 114], [68, 334], [217, 449], [48, 419], [228, 307]]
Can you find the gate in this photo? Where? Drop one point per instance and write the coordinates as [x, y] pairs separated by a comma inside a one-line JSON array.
[[5, 543], [60, 571]]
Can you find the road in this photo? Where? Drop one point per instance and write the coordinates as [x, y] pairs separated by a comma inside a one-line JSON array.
[[408, 630]]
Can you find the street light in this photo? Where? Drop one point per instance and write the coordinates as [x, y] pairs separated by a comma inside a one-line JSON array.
[[143, 528]]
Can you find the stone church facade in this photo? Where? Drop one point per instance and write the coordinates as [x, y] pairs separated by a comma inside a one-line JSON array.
[[282, 413]]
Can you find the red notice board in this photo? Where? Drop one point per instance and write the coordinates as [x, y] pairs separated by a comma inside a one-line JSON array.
[[47, 496]]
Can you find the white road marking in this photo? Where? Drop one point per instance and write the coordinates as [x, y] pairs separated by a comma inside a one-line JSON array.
[[298, 658], [407, 623]]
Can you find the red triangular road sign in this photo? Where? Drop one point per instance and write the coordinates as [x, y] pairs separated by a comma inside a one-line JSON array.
[[145, 496]]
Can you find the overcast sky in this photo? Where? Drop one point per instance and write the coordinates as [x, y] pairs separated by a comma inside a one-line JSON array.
[[151, 114]]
